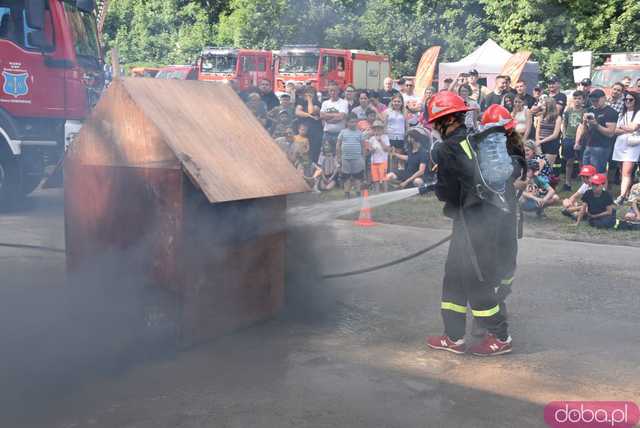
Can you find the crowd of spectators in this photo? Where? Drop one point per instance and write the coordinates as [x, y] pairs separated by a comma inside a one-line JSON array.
[[357, 139]]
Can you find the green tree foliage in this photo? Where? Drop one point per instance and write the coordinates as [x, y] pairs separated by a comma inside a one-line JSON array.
[[174, 31], [157, 31], [270, 24], [552, 29], [541, 26]]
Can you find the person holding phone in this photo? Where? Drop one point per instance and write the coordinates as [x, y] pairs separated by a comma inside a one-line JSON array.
[[596, 131]]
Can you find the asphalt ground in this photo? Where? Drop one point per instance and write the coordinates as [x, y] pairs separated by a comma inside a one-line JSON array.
[[348, 352]]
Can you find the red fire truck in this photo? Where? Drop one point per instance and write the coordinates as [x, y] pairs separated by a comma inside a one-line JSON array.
[[616, 68], [177, 72], [247, 67], [51, 75], [318, 66]]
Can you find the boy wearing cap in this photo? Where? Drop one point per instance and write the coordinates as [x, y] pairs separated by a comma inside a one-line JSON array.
[[554, 91], [596, 132], [571, 205], [585, 87], [379, 147], [598, 205]]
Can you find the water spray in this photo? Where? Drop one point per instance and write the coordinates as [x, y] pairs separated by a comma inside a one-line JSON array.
[[328, 211]]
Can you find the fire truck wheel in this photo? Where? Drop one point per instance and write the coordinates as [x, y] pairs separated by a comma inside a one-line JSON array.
[[9, 182]]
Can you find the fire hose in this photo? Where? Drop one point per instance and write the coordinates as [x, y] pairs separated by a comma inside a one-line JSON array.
[[31, 247], [423, 190], [391, 263]]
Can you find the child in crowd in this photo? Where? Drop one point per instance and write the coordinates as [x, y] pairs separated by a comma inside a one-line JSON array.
[[282, 124], [634, 200], [301, 150], [538, 193], [532, 152], [394, 117], [379, 147], [598, 205], [364, 125], [326, 170], [285, 143], [350, 152], [572, 205]]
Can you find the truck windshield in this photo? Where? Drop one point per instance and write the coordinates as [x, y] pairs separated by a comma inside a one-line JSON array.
[[174, 73], [14, 27], [607, 77], [85, 33], [306, 63], [219, 63]]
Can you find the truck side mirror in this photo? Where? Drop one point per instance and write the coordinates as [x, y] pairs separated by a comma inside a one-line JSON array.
[[35, 14], [86, 5]]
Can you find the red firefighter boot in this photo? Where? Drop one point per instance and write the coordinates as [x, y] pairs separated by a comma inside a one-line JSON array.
[[445, 344], [490, 346]]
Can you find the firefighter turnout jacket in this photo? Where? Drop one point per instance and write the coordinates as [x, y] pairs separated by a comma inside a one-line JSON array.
[[471, 270]]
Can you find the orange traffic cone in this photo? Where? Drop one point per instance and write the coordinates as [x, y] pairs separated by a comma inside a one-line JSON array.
[[364, 220]]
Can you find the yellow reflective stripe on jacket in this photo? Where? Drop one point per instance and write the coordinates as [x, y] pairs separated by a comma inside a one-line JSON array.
[[453, 307], [507, 281], [467, 148], [488, 313]]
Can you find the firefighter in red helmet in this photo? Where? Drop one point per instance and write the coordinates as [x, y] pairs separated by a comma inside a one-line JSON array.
[[471, 270]]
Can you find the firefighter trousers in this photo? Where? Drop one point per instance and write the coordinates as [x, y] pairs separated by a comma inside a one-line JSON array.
[[472, 273], [507, 252]]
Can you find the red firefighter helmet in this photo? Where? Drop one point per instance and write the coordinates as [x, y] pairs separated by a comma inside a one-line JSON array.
[[498, 115], [445, 103]]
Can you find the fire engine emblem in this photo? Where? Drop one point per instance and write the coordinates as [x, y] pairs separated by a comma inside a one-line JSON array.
[[15, 84]]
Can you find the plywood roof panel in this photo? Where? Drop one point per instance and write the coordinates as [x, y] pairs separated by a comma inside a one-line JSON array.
[[221, 145]]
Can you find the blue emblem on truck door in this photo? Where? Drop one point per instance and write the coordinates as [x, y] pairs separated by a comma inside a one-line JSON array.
[[15, 84]]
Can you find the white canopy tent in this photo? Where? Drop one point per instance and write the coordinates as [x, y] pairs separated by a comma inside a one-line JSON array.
[[488, 59]]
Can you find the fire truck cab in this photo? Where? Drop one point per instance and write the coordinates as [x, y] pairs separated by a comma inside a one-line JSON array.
[[244, 66], [617, 67], [51, 74], [319, 66]]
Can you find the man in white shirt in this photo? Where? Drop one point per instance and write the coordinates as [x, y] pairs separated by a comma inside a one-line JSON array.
[[408, 95], [411, 102], [333, 114]]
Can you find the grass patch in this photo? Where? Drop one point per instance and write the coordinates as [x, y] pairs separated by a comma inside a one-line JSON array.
[[422, 211]]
